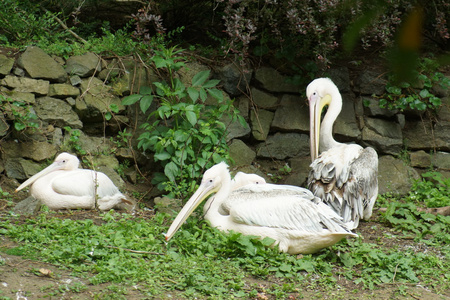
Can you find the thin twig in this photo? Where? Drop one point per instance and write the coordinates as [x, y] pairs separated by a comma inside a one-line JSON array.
[[67, 28], [136, 251]]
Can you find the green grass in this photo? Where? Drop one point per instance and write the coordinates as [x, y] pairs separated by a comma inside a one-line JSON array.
[[201, 261]]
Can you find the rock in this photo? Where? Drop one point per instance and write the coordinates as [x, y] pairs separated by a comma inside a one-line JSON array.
[[292, 115], [443, 112], [260, 123], [63, 90], [346, 126], [91, 144], [235, 129], [57, 111], [37, 151], [394, 176], [168, 205], [384, 135], [20, 168], [188, 72], [441, 160], [40, 65], [26, 85], [340, 77], [273, 81], [28, 98], [264, 100], [240, 153], [420, 159], [6, 64], [111, 70], [28, 206], [75, 80], [83, 65], [234, 79], [284, 145], [243, 105], [424, 135], [112, 174], [300, 170], [3, 126], [95, 100], [373, 108], [371, 83]]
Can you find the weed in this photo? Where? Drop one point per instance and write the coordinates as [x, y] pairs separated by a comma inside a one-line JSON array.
[[73, 143], [407, 95], [185, 134], [19, 112]]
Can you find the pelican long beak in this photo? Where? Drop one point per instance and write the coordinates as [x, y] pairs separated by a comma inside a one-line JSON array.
[[204, 190], [54, 166], [316, 105]]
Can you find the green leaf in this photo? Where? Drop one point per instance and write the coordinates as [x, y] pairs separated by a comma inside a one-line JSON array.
[[131, 99], [159, 62], [145, 103], [192, 117], [425, 93], [193, 93], [211, 83], [19, 126], [171, 170], [145, 90], [216, 94], [200, 78], [162, 156]]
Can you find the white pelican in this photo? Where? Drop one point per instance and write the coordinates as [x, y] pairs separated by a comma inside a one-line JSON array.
[[241, 179], [344, 176], [62, 185], [296, 223]]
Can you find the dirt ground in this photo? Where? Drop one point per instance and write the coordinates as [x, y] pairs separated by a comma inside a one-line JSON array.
[[28, 279]]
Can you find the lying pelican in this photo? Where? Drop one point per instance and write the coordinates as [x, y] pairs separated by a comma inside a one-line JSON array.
[[63, 186], [242, 179], [297, 224], [344, 176]]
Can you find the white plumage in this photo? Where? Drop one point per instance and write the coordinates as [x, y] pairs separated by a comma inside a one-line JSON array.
[[62, 185], [344, 176], [294, 218]]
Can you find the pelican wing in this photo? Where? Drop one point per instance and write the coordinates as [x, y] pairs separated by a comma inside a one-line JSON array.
[[264, 191], [345, 178], [284, 210], [84, 182], [362, 186]]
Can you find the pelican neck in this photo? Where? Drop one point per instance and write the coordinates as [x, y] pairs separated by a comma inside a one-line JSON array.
[[326, 130]]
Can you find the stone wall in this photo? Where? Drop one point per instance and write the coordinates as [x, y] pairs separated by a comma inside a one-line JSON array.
[[77, 93]]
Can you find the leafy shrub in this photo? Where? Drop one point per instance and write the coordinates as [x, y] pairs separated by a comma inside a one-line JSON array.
[[416, 95], [23, 22], [308, 29], [433, 190], [185, 135], [19, 112]]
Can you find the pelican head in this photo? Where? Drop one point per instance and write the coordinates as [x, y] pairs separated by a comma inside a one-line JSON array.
[[64, 161], [214, 179], [320, 92], [241, 179]]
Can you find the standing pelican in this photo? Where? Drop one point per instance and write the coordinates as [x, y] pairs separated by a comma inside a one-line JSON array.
[[62, 185], [344, 176], [297, 224]]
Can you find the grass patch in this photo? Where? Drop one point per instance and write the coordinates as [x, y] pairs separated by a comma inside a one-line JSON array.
[[407, 247]]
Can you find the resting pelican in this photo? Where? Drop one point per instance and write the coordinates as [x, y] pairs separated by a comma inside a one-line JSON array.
[[296, 223], [242, 179], [344, 176], [62, 185]]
